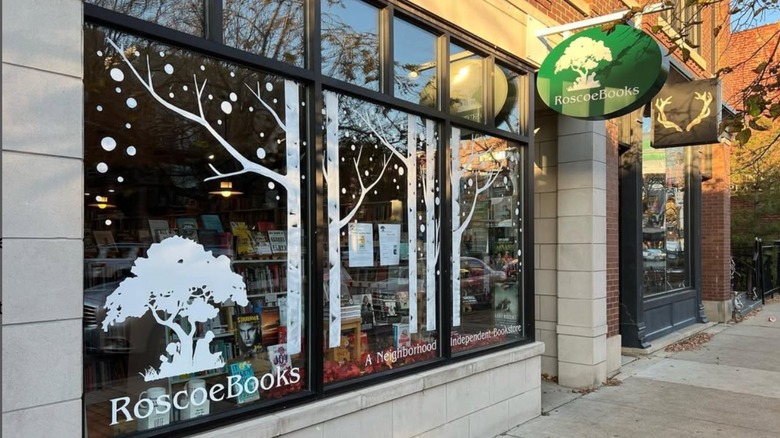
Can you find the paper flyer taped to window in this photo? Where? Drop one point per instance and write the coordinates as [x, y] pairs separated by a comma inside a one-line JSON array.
[[361, 245], [389, 244]]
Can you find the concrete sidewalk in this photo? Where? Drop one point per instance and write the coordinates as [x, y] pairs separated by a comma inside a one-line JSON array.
[[729, 387]]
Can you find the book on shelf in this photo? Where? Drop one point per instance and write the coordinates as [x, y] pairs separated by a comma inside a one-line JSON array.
[[164, 234], [209, 239], [245, 245], [278, 241], [247, 329], [265, 226], [401, 335], [280, 360], [262, 244], [211, 222], [245, 371], [159, 229], [188, 228], [365, 301], [105, 242], [402, 297], [145, 236], [269, 325], [350, 312]]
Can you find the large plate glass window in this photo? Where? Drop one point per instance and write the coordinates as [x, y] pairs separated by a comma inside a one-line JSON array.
[[382, 199], [350, 42], [664, 198], [274, 29], [188, 16], [192, 235], [487, 240]]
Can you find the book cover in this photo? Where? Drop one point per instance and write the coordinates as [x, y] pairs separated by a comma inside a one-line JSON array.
[[262, 244], [156, 226], [209, 239], [211, 222], [105, 242], [278, 241], [402, 297], [188, 228], [247, 329], [277, 355], [245, 245], [401, 335], [366, 310], [245, 371], [269, 326]]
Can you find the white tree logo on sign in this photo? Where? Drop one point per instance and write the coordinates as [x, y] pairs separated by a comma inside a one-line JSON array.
[[178, 281], [582, 56]]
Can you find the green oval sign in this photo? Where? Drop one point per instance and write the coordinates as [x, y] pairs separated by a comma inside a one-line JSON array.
[[596, 76]]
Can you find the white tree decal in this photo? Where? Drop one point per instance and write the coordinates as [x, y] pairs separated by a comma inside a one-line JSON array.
[[178, 281], [289, 181], [432, 226], [408, 158], [458, 169], [335, 221], [583, 55]]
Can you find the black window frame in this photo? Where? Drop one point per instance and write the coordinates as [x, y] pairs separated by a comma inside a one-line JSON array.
[[311, 78]]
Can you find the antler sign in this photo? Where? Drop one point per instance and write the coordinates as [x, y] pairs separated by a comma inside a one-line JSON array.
[[674, 108]]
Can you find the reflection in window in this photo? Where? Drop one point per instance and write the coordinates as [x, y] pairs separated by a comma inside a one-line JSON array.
[[350, 42], [486, 241], [466, 83], [186, 16], [192, 235], [415, 63], [273, 29], [507, 87], [383, 238], [663, 219]]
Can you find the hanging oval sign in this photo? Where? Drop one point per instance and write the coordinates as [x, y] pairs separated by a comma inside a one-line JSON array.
[[594, 75]]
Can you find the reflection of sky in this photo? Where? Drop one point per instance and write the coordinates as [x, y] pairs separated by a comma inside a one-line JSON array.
[[355, 14]]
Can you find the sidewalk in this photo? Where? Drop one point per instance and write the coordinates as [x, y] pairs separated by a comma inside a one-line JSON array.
[[728, 387]]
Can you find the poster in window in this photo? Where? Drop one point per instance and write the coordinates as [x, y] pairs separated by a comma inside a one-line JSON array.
[[389, 244], [361, 245]]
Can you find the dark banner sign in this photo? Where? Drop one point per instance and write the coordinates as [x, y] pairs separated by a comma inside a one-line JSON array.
[[687, 114]]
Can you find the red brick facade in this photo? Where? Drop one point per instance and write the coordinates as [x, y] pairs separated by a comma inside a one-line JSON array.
[[716, 228], [613, 234]]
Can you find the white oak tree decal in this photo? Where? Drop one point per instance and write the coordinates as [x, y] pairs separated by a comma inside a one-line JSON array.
[[432, 226], [290, 181], [177, 281]]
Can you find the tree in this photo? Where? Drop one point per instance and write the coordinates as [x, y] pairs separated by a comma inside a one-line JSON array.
[[582, 56], [179, 283]]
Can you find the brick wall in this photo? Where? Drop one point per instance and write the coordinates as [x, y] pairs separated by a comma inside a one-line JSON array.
[[743, 52], [716, 228]]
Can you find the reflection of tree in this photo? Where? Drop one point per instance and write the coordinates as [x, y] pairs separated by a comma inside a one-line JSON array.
[[271, 28], [346, 53], [183, 15], [466, 173], [178, 281]]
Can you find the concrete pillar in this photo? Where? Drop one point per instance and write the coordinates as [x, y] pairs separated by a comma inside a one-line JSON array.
[[582, 253]]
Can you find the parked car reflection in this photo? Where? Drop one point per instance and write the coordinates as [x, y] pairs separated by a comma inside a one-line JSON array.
[[477, 280]]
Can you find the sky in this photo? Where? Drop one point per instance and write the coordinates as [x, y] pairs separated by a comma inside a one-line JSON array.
[[766, 17]]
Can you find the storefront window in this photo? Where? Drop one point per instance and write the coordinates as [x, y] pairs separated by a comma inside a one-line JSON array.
[[466, 83], [487, 241], [350, 42], [188, 16], [383, 238], [415, 63], [663, 220], [193, 302], [274, 29]]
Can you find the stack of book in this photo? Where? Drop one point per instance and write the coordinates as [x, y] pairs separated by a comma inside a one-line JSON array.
[[350, 312]]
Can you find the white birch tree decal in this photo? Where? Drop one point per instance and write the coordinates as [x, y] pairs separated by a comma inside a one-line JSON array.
[[290, 181], [178, 281], [335, 221], [459, 165], [408, 158], [432, 225]]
